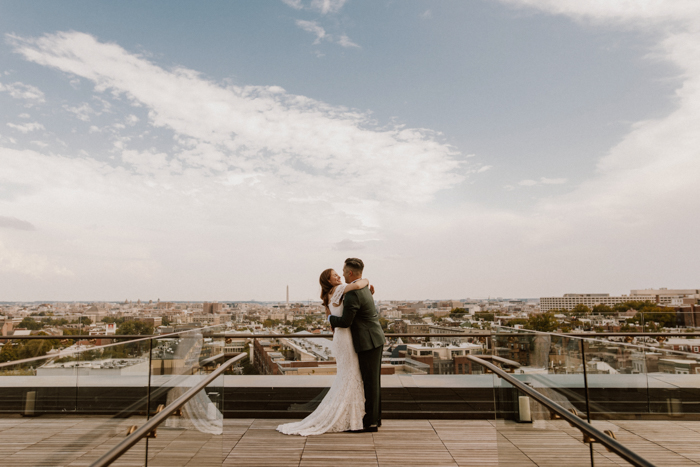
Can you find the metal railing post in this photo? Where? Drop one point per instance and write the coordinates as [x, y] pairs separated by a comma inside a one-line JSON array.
[[148, 393], [585, 386]]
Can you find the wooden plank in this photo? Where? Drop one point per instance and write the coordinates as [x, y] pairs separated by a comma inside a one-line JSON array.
[[78, 441]]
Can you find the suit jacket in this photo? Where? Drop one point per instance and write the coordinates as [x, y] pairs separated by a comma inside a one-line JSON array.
[[360, 315]]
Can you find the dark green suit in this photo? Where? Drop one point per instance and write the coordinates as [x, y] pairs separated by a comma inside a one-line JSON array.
[[360, 315]]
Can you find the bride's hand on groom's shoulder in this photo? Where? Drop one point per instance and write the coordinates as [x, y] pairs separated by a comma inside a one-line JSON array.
[[371, 289]]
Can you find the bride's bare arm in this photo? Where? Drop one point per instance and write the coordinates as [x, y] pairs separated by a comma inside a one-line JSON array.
[[360, 284]]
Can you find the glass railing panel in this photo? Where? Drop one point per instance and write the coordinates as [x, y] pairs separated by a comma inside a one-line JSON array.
[[28, 387], [50, 400], [64, 401], [112, 379], [468, 408], [193, 436], [673, 378], [552, 365], [617, 378], [643, 388], [176, 357]]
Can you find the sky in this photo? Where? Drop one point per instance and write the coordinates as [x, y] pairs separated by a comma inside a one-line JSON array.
[[224, 150]]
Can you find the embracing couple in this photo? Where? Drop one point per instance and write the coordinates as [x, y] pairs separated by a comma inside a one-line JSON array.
[[354, 400]]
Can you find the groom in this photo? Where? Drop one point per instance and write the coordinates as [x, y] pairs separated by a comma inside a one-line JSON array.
[[361, 317]]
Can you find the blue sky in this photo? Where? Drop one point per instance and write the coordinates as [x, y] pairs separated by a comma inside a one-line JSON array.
[[221, 150]]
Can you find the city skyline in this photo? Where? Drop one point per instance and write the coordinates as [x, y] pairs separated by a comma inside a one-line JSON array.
[[461, 149]]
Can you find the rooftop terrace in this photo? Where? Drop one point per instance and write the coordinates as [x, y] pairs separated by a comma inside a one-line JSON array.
[[79, 441], [205, 413]]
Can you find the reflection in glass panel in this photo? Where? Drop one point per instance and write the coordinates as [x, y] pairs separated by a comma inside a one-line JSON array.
[[196, 431], [64, 386], [552, 365]]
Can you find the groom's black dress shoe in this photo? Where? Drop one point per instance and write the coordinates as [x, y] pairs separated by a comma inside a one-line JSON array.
[[371, 429]]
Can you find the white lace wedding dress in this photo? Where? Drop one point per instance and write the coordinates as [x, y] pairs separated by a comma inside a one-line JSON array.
[[344, 405]]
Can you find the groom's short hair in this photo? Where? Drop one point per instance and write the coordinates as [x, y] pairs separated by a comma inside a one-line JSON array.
[[355, 265]]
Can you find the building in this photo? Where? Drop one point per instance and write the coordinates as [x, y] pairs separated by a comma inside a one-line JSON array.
[[234, 346], [104, 367], [206, 319], [212, 308], [664, 296], [679, 366], [404, 326], [661, 296], [307, 350], [683, 345], [265, 358], [570, 300], [306, 368], [438, 330], [687, 311], [441, 359]]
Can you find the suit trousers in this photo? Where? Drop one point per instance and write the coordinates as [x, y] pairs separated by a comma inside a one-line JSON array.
[[371, 370]]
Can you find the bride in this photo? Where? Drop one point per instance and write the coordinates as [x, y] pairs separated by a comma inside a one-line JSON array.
[[344, 405]]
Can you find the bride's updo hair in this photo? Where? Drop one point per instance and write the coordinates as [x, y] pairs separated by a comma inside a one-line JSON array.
[[326, 286]]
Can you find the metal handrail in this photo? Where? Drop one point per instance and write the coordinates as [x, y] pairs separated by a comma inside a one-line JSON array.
[[114, 453], [588, 335], [586, 428], [505, 361], [157, 392], [80, 337]]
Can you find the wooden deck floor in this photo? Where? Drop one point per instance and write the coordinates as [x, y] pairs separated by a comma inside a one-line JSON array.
[[78, 441]]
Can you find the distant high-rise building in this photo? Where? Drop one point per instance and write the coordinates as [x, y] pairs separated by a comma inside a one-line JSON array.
[[570, 300], [287, 296], [212, 307], [661, 296]]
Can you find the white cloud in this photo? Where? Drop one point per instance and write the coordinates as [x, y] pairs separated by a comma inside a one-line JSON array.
[[327, 6], [41, 144], [346, 42], [26, 127], [322, 6], [270, 174], [542, 181], [313, 28], [261, 129], [484, 168], [632, 12], [296, 4], [27, 92], [82, 112]]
